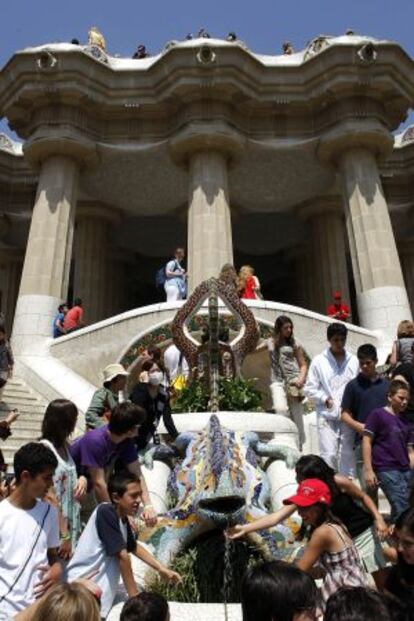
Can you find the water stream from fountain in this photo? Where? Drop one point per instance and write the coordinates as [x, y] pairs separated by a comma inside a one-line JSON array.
[[227, 575]]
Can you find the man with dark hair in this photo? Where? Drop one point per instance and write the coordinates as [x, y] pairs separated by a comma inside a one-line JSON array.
[[104, 546], [74, 317], [58, 321], [145, 607], [101, 447], [329, 373], [367, 392], [29, 532]]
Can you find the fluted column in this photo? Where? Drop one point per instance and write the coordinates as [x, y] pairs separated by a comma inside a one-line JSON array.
[[210, 243], [326, 228], [353, 146], [11, 261], [381, 293], [302, 267], [45, 275], [406, 252], [206, 149], [92, 234]]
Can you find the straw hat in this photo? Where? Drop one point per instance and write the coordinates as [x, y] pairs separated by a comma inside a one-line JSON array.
[[112, 371]]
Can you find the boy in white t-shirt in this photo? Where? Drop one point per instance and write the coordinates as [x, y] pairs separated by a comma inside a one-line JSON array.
[[104, 546], [29, 532]]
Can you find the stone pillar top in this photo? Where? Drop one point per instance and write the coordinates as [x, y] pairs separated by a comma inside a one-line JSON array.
[[199, 136], [59, 141], [355, 133]]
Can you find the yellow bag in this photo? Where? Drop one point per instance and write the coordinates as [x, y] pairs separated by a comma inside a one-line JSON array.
[[179, 383]]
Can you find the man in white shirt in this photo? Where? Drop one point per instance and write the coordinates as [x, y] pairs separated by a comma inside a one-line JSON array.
[[328, 375], [29, 532]]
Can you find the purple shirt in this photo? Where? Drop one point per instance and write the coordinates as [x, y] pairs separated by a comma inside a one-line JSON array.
[[391, 436], [95, 449]]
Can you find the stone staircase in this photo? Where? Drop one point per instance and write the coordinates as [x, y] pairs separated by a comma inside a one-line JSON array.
[[31, 407]]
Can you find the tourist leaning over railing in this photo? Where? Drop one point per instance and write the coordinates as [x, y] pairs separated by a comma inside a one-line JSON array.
[[68, 489], [349, 504], [107, 540], [99, 448]]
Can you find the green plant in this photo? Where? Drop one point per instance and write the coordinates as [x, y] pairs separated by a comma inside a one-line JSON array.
[[193, 398], [235, 395], [240, 395]]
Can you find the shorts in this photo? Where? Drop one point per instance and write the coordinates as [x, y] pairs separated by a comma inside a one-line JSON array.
[[370, 550]]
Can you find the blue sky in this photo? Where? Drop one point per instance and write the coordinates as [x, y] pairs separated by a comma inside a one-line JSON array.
[[262, 24]]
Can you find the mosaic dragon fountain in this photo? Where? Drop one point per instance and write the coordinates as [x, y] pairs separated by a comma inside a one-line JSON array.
[[221, 482], [221, 479]]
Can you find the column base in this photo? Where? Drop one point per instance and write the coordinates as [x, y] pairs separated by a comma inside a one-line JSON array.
[[33, 322], [383, 308]]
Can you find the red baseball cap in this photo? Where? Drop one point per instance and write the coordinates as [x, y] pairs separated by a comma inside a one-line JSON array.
[[310, 491]]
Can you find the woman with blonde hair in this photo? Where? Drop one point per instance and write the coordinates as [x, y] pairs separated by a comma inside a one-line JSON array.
[[75, 601], [402, 349], [249, 285]]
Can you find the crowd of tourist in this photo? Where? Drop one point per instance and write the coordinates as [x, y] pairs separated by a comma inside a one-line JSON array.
[[72, 503]]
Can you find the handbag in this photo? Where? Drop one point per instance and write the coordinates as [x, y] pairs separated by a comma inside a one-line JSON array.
[[291, 389]]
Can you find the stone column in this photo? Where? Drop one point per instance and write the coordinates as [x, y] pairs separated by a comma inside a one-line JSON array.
[[92, 235], [302, 266], [45, 276], [210, 243], [11, 260], [206, 149], [406, 252], [327, 251], [381, 293]]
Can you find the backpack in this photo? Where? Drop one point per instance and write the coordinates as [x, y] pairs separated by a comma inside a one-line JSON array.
[[160, 278]]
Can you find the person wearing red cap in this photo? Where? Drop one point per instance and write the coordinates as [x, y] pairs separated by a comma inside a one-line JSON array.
[[338, 310], [330, 544]]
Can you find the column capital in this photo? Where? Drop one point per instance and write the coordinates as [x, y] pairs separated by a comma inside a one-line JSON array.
[[98, 210], [320, 206], [200, 136], [68, 142], [349, 134]]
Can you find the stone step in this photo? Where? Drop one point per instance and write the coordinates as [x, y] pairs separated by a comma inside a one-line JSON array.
[[31, 407], [23, 406]]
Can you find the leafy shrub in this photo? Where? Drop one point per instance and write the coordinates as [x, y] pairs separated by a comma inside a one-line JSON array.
[[235, 395]]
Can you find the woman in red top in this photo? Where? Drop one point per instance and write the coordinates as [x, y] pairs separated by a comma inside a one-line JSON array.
[[249, 285]]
